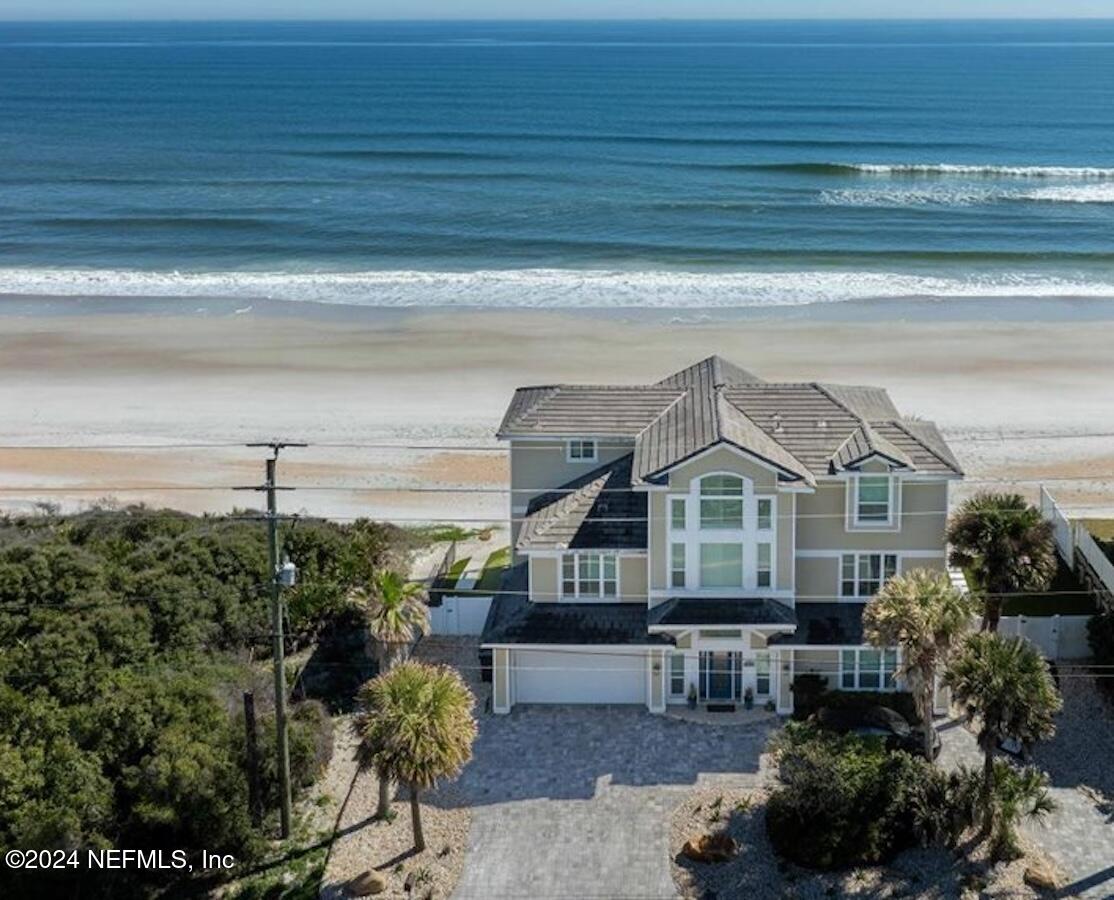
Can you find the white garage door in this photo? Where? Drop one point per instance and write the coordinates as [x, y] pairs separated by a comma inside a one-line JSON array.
[[545, 676]]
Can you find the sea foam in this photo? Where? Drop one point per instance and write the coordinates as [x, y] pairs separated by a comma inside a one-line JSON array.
[[546, 288]]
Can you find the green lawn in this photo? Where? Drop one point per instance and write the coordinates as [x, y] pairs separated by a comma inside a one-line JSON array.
[[492, 577]]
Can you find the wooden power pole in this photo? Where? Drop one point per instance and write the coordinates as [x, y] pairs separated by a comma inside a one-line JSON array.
[[277, 641]]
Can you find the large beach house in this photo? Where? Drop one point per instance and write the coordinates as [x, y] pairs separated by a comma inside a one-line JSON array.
[[710, 533]]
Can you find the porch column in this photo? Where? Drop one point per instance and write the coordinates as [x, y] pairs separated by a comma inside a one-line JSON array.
[[781, 661], [655, 700], [501, 680]]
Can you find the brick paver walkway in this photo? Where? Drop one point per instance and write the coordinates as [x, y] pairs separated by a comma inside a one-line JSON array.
[[575, 801]]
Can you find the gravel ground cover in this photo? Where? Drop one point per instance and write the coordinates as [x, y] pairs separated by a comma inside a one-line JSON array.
[[363, 842]]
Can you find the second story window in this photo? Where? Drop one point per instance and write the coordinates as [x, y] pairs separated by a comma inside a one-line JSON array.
[[873, 500], [721, 502], [863, 574], [581, 450], [589, 576]]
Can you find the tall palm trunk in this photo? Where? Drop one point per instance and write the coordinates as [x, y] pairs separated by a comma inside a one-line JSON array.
[[988, 790], [927, 727], [416, 819], [384, 809]]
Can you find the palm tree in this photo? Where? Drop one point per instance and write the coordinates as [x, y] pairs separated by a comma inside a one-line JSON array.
[[1018, 793], [922, 613], [396, 614], [1006, 688], [416, 726], [1006, 546]]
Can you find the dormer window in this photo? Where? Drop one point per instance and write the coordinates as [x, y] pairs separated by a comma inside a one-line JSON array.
[[873, 500], [581, 450]]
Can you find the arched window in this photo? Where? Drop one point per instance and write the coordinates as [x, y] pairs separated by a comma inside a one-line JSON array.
[[721, 502]]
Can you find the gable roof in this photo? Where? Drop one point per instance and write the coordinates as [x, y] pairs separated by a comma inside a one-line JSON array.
[[801, 429], [596, 511]]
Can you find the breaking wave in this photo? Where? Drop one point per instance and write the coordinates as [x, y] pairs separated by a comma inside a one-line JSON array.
[[943, 169], [547, 288]]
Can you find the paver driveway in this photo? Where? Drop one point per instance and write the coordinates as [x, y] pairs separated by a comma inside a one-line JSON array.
[[575, 801]]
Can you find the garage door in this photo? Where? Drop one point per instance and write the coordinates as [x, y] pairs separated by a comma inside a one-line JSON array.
[[543, 676]]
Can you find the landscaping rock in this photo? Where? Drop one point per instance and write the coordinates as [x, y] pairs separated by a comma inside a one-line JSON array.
[[1040, 877], [367, 883], [710, 848]]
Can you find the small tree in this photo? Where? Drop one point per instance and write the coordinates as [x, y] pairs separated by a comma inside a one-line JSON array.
[[923, 614], [1002, 541], [1006, 688], [396, 614], [1018, 793], [416, 726]]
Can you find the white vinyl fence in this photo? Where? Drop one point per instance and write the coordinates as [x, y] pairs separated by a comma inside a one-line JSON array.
[[1080, 551], [459, 614], [1063, 528], [1057, 637]]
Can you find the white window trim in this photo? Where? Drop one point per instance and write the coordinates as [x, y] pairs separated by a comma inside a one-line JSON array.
[[749, 536], [676, 654], [581, 442], [892, 522], [858, 596], [880, 671], [579, 597]]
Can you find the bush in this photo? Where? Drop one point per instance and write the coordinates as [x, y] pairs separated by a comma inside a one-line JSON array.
[[1100, 635], [807, 690], [810, 694], [846, 800]]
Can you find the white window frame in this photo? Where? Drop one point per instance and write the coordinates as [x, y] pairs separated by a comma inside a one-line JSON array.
[[758, 503], [578, 594], [893, 512], [858, 556], [674, 570], [575, 447], [767, 569], [693, 536], [740, 498], [856, 672], [672, 675], [763, 657]]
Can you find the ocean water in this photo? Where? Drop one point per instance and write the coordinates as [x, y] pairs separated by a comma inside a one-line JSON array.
[[594, 164]]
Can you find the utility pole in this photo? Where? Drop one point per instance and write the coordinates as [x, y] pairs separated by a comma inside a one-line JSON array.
[[279, 577], [254, 798]]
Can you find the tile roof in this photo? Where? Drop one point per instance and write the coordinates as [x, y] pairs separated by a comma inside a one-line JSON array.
[[595, 511], [804, 429], [513, 619], [682, 611], [820, 624]]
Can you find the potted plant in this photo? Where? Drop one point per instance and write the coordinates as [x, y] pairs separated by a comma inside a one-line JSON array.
[[748, 699], [770, 705], [692, 696]]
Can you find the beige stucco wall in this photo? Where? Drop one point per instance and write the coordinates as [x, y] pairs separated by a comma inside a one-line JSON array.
[[545, 572], [818, 577], [680, 481], [822, 522]]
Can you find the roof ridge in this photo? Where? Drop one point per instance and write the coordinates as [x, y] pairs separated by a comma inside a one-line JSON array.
[[823, 389], [681, 396], [900, 424]]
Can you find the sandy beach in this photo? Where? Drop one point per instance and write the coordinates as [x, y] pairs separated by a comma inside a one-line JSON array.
[[382, 395]]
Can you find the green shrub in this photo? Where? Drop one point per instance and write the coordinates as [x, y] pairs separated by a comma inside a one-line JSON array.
[[807, 690], [1100, 635], [901, 702], [846, 800]]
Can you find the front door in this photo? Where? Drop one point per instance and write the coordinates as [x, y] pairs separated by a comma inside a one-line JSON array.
[[720, 676]]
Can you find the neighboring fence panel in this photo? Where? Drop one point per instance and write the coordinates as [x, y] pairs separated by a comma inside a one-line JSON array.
[[1062, 527], [1099, 571], [459, 615], [1057, 637]]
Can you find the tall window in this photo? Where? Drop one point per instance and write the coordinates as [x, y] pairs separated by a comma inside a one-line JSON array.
[[873, 502], [677, 565], [721, 565], [589, 576], [867, 670], [721, 502], [677, 674], [581, 450], [862, 574], [677, 513], [764, 567], [762, 674], [765, 514]]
